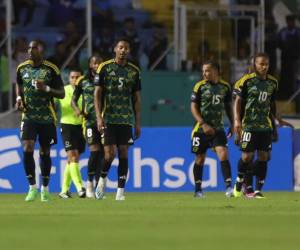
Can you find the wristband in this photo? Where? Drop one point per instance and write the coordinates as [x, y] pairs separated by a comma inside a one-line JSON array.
[[19, 98], [47, 89]]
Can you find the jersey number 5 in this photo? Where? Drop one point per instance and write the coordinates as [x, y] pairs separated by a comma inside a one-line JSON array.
[[121, 82]]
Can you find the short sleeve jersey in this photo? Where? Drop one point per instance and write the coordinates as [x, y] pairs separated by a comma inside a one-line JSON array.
[[68, 115], [211, 98], [85, 88], [118, 83], [39, 106], [257, 95]]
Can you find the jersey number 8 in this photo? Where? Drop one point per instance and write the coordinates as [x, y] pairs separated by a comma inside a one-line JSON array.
[[89, 132]]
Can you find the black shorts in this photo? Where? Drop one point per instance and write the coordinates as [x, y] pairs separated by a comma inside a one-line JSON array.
[[201, 142], [73, 137], [92, 135], [46, 133], [118, 134], [256, 140]]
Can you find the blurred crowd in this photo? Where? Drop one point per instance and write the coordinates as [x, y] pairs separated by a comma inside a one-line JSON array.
[[114, 18]]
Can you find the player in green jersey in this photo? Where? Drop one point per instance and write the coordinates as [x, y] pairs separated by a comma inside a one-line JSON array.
[[85, 88], [72, 135], [276, 121], [38, 81], [117, 105], [253, 128], [210, 98]]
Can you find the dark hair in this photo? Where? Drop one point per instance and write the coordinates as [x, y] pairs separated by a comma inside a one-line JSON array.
[[75, 69], [122, 39], [213, 64], [290, 18], [260, 54], [40, 43], [96, 55]]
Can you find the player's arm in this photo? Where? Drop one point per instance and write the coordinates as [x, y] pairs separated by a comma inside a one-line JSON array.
[[75, 97], [98, 95], [237, 108], [19, 93], [57, 87], [195, 110], [228, 111]]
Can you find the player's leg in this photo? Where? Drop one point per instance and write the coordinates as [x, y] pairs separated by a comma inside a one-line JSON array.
[[92, 167], [200, 144], [122, 171], [73, 158], [248, 147], [124, 139], [219, 142], [264, 149], [96, 156], [47, 138], [198, 174], [28, 136], [109, 155], [222, 153]]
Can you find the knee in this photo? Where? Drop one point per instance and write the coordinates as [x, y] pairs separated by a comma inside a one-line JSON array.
[[28, 147], [247, 158], [45, 151], [73, 156], [200, 160], [109, 156]]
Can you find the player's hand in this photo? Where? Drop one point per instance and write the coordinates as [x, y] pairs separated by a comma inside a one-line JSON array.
[[137, 131], [237, 129], [208, 130], [19, 104], [41, 86], [100, 125], [274, 135], [282, 123], [229, 132]]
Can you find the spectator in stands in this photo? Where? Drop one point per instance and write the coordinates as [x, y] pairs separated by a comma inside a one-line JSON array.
[[104, 43], [60, 12], [4, 83], [239, 65], [23, 5], [131, 34], [288, 42], [102, 14], [59, 55], [19, 55], [156, 47]]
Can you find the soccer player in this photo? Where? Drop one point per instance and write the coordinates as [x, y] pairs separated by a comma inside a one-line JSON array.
[[256, 91], [117, 105], [38, 81], [210, 98], [74, 142], [85, 88]]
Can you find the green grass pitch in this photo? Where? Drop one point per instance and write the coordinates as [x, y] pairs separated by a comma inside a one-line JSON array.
[[158, 221]]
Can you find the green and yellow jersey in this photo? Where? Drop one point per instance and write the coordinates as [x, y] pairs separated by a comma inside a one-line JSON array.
[[119, 84], [39, 106], [257, 95], [68, 115], [211, 98], [85, 88]]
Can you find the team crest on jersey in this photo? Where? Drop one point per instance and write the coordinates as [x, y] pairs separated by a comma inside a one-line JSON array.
[[244, 145], [112, 73]]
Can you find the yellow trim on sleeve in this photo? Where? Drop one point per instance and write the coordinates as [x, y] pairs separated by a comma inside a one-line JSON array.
[[53, 112], [134, 66], [24, 63], [103, 64], [242, 81], [52, 66], [79, 80], [198, 85]]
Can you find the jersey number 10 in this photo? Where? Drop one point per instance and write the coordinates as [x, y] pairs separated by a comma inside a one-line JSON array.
[[262, 96]]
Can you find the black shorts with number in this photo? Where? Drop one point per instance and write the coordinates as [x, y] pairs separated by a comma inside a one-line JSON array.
[[256, 140], [201, 142], [118, 134], [92, 135], [46, 133], [73, 137]]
